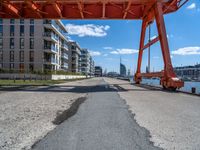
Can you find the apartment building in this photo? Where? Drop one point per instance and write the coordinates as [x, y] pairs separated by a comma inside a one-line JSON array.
[[85, 62], [74, 57], [28, 45], [92, 66], [98, 71]]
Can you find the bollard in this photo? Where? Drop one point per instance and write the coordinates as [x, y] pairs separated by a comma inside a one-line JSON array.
[[193, 90]]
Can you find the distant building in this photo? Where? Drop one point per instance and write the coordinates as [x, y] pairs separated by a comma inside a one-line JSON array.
[[122, 70], [28, 45], [74, 57], [85, 62], [98, 71], [188, 72], [113, 74], [129, 72], [92, 67]]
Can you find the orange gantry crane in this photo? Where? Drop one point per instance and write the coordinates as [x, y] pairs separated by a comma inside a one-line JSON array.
[[145, 10]]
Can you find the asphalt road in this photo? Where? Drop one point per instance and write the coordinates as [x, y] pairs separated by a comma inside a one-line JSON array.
[[102, 122]]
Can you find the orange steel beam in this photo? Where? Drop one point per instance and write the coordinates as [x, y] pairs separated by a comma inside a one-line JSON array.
[[151, 43], [84, 9], [12, 9]]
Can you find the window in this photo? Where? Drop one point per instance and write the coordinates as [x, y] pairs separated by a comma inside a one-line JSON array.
[[11, 66], [21, 30], [31, 43], [1, 56], [12, 21], [12, 43], [1, 30], [11, 56], [31, 30], [1, 21], [31, 56], [21, 56], [21, 21], [12, 30], [1, 43], [31, 21], [31, 67], [1, 66], [21, 67], [21, 43]]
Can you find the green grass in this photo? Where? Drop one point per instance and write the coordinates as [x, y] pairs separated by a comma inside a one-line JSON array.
[[33, 82]]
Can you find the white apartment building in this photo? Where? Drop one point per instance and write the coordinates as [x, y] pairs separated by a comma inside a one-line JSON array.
[[85, 62], [74, 57], [28, 45]]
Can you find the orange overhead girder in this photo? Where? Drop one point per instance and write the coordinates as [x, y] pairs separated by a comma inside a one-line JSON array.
[[82, 9], [146, 10]]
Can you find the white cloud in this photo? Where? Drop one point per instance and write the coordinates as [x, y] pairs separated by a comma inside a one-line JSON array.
[[87, 30], [124, 51], [95, 53], [192, 6], [105, 55], [153, 37], [187, 51], [108, 48]]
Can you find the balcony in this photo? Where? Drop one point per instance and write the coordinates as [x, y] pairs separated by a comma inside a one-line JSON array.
[[51, 24], [64, 55], [50, 49], [51, 61], [64, 65], [64, 46], [49, 36]]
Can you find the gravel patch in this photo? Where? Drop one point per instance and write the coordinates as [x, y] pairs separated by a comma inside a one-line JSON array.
[[27, 115]]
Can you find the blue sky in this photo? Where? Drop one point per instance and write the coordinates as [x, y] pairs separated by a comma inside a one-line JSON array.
[[109, 39]]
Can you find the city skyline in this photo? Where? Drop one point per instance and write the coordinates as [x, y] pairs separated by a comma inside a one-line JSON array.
[[107, 42]]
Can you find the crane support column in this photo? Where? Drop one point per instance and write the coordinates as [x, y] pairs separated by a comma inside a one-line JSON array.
[[138, 77], [168, 78]]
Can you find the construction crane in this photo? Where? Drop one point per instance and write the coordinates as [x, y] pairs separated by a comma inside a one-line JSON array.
[[145, 10]]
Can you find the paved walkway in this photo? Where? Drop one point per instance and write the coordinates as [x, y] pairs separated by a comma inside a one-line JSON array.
[[102, 122]]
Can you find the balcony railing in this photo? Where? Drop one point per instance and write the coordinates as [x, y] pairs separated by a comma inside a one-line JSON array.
[[64, 55], [50, 35], [52, 48]]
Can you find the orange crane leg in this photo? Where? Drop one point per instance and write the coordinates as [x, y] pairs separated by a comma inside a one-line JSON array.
[[168, 78]]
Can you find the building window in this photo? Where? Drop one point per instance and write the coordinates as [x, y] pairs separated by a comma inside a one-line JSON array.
[[31, 30], [21, 43], [12, 21], [1, 56], [21, 67], [11, 56], [1, 30], [31, 67], [12, 43], [1, 43], [1, 66], [31, 21], [11, 66], [21, 21], [31, 56], [12, 30], [31, 43], [21, 56], [1, 21], [21, 30]]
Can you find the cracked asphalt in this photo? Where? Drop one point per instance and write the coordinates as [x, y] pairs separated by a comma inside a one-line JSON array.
[[102, 122]]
